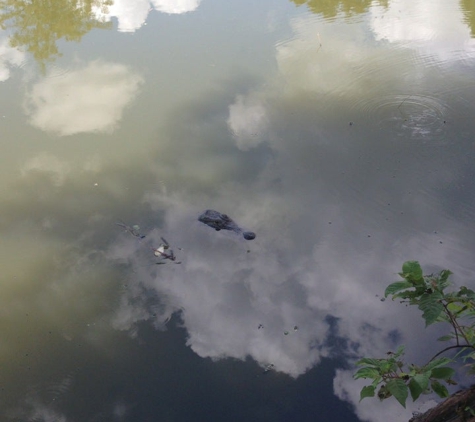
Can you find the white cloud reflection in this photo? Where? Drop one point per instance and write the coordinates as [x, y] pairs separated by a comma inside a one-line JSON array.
[[437, 27], [176, 6], [9, 57], [90, 99], [132, 14], [247, 120]]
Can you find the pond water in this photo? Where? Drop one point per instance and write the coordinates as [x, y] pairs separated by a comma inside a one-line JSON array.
[[340, 132]]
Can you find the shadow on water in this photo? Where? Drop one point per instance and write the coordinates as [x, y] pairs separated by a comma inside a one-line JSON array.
[[173, 383]]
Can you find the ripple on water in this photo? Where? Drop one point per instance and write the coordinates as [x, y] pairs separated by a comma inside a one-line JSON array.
[[51, 391], [411, 115], [56, 71]]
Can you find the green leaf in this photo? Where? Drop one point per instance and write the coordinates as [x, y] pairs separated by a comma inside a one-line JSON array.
[[442, 280], [376, 381], [445, 338], [366, 373], [370, 362], [398, 388], [461, 353], [439, 389], [443, 373], [455, 308], [399, 351], [470, 410], [367, 391], [466, 292], [431, 307], [396, 287], [412, 270], [415, 389], [462, 310], [444, 274], [437, 363], [388, 366], [468, 358], [422, 380]]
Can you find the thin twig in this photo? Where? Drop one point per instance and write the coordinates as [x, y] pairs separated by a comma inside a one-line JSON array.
[[400, 105], [452, 321], [458, 346], [319, 41], [456, 324]]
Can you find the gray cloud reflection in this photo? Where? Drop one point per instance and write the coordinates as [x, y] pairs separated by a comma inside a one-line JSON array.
[[90, 99], [336, 210]]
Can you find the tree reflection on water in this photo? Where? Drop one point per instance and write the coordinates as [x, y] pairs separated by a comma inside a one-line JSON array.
[[330, 8], [468, 9], [37, 25]]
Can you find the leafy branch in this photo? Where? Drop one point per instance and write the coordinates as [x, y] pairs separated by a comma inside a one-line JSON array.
[[391, 374]]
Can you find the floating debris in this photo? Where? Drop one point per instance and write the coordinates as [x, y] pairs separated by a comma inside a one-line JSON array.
[[296, 328], [134, 230], [164, 252], [260, 326], [268, 368]]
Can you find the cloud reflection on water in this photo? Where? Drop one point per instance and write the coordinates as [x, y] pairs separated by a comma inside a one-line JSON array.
[[336, 209], [247, 122], [90, 99], [9, 57], [131, 15], [333, 212]]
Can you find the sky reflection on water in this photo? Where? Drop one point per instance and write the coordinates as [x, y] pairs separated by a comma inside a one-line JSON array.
[[346, 146]]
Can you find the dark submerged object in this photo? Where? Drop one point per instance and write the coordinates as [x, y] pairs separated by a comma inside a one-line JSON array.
[[219, 221]]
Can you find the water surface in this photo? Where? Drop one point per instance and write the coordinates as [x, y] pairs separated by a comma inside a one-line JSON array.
[[341, 133]]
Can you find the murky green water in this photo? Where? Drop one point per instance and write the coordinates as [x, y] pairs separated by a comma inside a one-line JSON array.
[[340, 132]]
